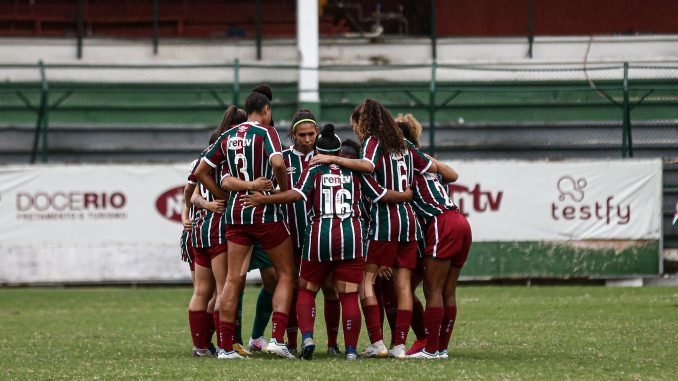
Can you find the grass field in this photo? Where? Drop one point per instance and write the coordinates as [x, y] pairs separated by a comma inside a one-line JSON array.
[[541, 333]]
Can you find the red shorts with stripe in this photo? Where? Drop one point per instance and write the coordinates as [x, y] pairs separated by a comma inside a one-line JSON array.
[[349, 270], [393, 254], [448, 236], [202, 256], [269, 234]]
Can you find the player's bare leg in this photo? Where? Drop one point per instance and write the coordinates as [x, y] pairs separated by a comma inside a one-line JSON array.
[[332, 315], [281, 258], [450, 314], [199, 320]]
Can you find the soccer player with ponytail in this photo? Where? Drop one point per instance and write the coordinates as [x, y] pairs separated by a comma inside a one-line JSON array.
[[333, 242], [303, 133], [448, 241], [393, 230]]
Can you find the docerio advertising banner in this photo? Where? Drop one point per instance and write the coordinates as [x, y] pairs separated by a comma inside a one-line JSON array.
[[91, 223], [122, 222]]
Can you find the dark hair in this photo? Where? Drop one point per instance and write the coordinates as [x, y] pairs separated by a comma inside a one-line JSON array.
[[265, 90], [300, 115], [328, 141], [407, 133], [232, 116], [256, 102], [372, 119], [350, 149]]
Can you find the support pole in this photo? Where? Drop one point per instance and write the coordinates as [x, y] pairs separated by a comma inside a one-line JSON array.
[[432, 110], [627, 142], [307, 45], [434, 36], [530, 26], [236, 82], [41, 125], [156, 27], [80, 26], [258, 27]]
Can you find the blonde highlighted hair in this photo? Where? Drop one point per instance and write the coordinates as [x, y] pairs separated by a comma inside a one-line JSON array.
[[413, 126]]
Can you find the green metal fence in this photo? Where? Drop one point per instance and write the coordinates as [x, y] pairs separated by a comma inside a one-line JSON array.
[[617, 95]]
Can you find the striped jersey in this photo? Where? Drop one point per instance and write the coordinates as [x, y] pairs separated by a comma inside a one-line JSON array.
[[185, 240], [430, 196], [245, 151], [209, 228], [336, 228], [296, 213], [395, 171]]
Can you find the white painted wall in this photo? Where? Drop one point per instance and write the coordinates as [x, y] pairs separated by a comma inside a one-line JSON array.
[[572, 50]]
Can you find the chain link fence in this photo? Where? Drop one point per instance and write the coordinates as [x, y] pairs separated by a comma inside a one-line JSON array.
[[165, 112]]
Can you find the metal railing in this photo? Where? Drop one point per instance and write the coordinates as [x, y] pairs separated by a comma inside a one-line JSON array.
[[439, 95]]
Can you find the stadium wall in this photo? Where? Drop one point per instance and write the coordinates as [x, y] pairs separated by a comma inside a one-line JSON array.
[[121, 223]]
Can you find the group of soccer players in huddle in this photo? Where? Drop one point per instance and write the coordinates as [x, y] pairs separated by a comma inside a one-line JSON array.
[[365, 223]]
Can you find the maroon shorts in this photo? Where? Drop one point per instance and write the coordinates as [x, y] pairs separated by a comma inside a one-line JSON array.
[[393, 254], [203, 255], [269, 234], [349, 270], [448, 236]]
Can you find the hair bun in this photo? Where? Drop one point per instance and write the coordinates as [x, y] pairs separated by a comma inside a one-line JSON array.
[[328, 129]]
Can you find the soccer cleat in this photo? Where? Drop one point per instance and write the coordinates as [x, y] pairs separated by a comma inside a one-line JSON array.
[[232, 355], [241, 350], [197, 352], [334, 351], [423, 355], [292, 350], [418, 346], [377, 349], [279, 350], [351, 354], [398, 351], [307, 348], [257, 345], [443, 354]]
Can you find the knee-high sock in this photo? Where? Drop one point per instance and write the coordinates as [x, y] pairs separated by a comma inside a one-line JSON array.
[[306, 311], [279, 325], [373, 323], [199, 328], [350, 315], [449, 317], [402, 327], [215, 320], [390, 299], [332, 315], [433, 317], [263, 313], [226, 335]]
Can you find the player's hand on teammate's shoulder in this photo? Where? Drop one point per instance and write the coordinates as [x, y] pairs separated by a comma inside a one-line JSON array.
[[321, 159], [262, 184]]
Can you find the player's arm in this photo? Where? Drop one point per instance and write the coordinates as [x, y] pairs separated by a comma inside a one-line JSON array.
[[358, 165], [188, 192], [216, 206], [258, 199], [235, 184], [203, 175], [186, 218], [394, 197], [448, 173], [280, 172]]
